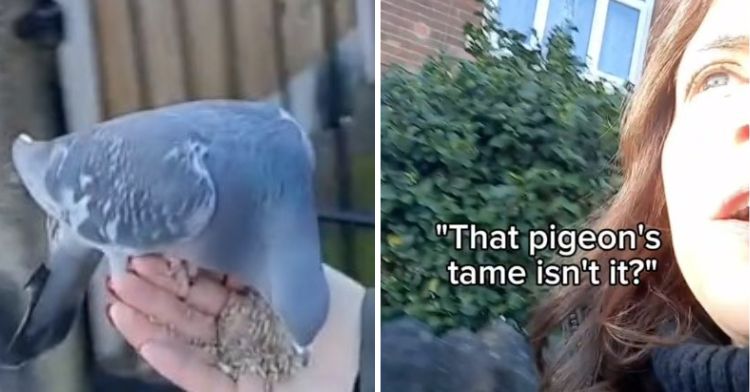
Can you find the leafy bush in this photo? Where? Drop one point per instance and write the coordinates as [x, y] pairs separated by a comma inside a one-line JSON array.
[[515, 135]]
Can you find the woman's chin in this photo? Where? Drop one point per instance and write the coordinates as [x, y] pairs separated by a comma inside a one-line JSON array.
[[729, 242], [716, 266], [728, 304]]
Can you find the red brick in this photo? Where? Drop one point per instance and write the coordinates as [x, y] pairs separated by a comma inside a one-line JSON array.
[[411, 30]]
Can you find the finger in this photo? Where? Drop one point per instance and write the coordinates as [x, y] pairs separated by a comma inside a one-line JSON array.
[[111, 296], [205, 294], [216, 276], [137, 329], [165, 306], [173, 263], [180, 364], [192, 269], [235, 284], [225, 280], [157, 270]]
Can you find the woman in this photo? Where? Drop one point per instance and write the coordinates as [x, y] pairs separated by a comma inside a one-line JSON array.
[[148, 298], [685, 154]]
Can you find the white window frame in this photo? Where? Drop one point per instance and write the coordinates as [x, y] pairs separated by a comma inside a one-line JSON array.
[[599, 20]]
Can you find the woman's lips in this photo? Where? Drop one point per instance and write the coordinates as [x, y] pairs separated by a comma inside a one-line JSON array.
[[732, 225], [736, 206]]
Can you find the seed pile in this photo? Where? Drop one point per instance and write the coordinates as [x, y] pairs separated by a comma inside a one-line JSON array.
[[251, 338]]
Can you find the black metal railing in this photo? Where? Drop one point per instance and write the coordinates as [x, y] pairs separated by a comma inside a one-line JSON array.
[[334, 112], [346, 218]]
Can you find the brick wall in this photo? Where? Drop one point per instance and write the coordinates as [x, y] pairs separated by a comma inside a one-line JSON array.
[[413, 29]]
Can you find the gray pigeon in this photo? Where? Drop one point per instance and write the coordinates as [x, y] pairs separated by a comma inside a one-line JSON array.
[[227, 185]]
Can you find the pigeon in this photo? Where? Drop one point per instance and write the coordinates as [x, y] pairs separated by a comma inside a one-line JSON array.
[[227, 185]]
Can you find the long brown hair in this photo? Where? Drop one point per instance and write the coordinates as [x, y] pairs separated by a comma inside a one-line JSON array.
[[608, 350]]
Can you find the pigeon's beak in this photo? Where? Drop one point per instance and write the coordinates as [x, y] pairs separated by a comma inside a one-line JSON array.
[[31, 160], [25, 138], [28, 156]]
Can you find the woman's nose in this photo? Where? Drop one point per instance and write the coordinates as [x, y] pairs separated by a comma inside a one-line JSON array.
[[741, 136]]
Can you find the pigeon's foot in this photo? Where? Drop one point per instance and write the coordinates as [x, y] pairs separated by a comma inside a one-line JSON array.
[[251, 339], [181, 273]]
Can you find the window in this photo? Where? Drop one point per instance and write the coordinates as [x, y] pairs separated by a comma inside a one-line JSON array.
[[611, 34]]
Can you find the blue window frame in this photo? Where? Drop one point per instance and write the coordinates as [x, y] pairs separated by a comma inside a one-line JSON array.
[[611, 34]]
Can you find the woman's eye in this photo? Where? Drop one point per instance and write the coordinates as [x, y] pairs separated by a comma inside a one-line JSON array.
[[716, 76], [716, 79]]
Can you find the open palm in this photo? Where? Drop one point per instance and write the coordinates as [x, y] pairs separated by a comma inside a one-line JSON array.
[[159, 316], [151, 297]]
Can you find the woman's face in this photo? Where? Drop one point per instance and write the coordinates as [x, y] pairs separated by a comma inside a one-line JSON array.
[[706, 167]]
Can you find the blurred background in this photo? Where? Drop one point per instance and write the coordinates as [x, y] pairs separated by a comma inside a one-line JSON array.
[[67, 64]]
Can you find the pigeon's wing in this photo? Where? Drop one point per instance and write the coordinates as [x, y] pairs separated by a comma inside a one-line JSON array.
[[139, 194]]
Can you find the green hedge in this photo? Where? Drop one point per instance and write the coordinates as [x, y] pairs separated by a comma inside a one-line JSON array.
[[514, 136]]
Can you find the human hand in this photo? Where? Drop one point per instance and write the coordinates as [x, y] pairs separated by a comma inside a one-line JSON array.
[[151, 297]]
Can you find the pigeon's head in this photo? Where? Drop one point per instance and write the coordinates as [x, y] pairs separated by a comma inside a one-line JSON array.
[[32, 160]]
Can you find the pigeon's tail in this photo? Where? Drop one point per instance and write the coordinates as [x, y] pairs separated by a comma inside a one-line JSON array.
[[56, 293]]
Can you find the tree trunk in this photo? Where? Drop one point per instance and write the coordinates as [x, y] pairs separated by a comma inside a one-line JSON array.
[[27, 77]]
